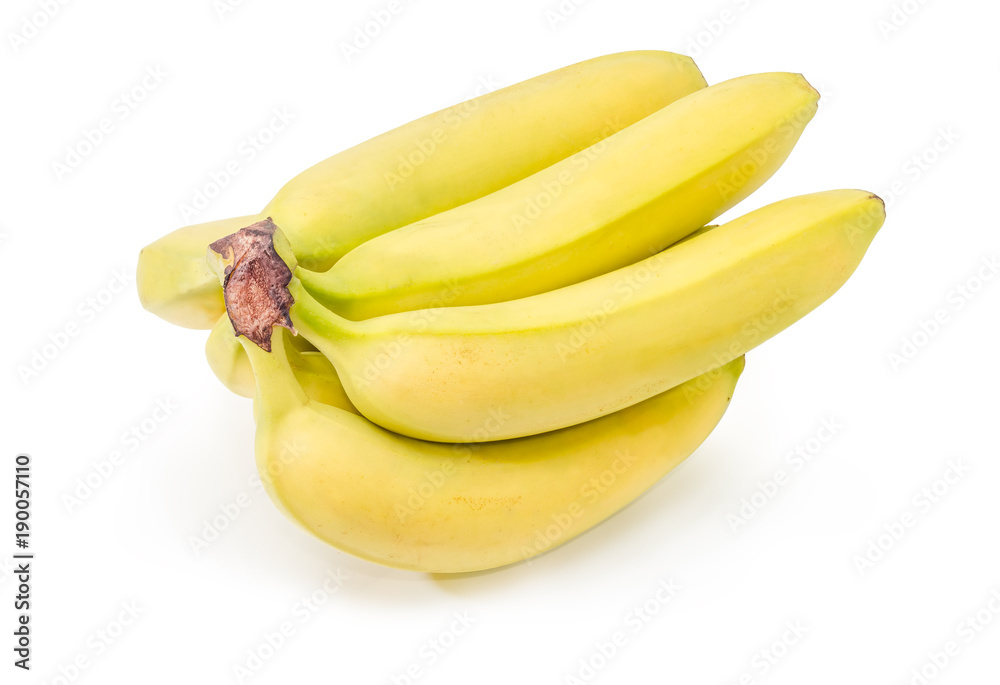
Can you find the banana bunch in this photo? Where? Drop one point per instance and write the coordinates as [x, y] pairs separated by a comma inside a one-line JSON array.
[[476, 336]]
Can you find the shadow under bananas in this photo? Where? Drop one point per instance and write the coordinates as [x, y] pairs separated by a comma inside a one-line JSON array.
[[646, 521]]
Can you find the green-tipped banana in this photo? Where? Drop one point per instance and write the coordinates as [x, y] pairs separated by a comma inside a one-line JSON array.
[[426, 167], [608, 206], [173, 280], [489, 372], [455, 508], [230, 365], [312, 370]]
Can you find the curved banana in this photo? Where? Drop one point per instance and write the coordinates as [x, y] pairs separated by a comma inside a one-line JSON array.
[[605, 207], [454, 508], [230, 365], [173, 280], [312, 370], [428, 166], [573, 354], [229, 362]]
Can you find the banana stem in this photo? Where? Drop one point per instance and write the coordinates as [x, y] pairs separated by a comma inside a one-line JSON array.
[[318, 324], [278, 391]]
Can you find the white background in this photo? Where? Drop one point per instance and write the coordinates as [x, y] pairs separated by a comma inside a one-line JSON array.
[[889, 96]]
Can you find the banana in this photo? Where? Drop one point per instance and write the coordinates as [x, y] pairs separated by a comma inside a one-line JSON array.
[[454, 508], [319, 380], [173, 280], [312, 370], [426, 167], [619, 201], [573, 354], [227, 359], [230, 364]]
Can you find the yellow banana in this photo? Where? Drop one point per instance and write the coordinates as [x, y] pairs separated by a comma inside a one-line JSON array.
[[618, 201], [454, 508], [227, 359], [173, 280], [426, 167], [312, 369], [319, 380], [230, 364], [573, 354]]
